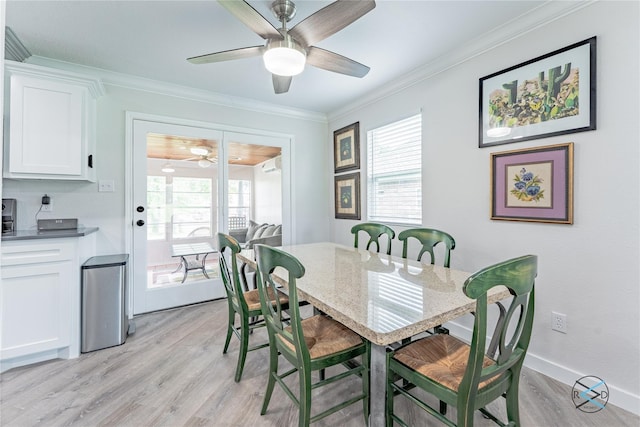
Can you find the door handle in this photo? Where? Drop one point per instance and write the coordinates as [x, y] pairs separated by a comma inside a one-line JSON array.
[[140, 209], [140, 223]]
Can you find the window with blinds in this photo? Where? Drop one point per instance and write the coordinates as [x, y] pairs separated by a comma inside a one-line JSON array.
[[394, 172]]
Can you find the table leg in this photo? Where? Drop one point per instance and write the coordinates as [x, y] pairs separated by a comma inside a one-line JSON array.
[[204, 267], [186, 268], [377, 384]]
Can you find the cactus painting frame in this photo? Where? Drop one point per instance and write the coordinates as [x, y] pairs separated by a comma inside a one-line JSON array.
[[534, 184], [554, 94]]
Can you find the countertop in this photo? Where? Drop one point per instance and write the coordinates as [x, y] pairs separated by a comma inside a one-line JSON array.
[[50, 234]]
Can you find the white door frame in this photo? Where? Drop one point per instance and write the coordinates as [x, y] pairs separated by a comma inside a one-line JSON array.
[[288, 216]]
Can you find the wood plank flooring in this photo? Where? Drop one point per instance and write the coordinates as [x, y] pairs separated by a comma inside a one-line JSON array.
[[172, 373]]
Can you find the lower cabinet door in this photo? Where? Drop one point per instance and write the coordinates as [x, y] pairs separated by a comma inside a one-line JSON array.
[[36, 308]]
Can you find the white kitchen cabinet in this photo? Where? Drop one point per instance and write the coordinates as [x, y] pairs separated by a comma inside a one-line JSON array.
[[50, 131], [40, 299]]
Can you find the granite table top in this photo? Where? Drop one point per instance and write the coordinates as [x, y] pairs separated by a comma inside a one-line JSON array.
[[383, 298]]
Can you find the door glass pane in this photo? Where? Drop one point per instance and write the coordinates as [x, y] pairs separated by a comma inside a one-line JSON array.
[[181, 208], [254, 187]]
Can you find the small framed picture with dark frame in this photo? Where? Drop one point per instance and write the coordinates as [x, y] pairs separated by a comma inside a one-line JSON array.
[[347, 196], [533, 184], [346, 148]]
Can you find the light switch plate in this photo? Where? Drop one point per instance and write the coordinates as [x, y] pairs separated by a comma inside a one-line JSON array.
[[106, 186]]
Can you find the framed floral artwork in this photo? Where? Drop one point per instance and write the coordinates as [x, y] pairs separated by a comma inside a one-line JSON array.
[[346, 148], [347, 196], [534, 184], [554, 94]]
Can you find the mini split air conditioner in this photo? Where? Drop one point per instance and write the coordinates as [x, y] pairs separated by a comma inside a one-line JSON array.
[[272, 165]]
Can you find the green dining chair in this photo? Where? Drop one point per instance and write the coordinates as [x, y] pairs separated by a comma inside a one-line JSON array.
[[244, 304], [374, 231], [428, 238], [460, 374], [310, 344]]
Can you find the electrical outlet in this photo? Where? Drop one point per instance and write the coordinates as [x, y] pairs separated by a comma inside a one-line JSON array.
[[559, 322], [47, 204]]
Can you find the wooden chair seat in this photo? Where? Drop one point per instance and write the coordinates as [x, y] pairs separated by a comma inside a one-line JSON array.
[[252, 298], [324, 336], [442, 358]]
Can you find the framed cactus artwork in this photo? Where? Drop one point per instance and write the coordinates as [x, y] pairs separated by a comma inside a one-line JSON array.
[[554, 94], [534, 184]]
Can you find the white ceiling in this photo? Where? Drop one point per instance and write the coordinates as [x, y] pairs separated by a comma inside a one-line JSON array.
[[152, 39]]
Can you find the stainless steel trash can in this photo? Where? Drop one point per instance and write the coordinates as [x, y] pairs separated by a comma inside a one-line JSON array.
[[104, 321]]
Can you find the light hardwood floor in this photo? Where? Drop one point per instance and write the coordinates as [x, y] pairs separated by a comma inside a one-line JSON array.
[[172, 373]]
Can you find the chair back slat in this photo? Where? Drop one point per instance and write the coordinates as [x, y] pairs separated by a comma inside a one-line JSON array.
[[428, 238], [374, 231]]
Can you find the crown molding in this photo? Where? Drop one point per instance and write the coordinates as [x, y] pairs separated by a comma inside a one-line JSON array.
[[93, 84], [520, 26], [14, 50], [128, 81]]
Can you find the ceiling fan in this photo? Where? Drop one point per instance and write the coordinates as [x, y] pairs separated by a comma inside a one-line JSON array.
[[202, 156], [287, 50]]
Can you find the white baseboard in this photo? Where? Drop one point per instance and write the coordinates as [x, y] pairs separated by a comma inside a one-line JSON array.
[[617, 396]]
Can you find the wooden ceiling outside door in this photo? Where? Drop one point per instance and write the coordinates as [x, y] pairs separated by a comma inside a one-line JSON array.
[[169, 147]]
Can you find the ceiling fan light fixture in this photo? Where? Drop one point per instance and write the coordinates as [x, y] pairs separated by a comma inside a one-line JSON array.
[[199, 151], [167, 168], [284, 57], [204, 163]]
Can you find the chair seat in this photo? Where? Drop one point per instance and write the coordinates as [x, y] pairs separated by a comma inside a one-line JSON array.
[[252, 298], [442, 358], [324, 336]]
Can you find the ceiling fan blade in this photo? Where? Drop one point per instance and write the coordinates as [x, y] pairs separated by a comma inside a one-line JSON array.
[[251, 18], [329, 20], [331, 61], [281, 83], [228, 55]]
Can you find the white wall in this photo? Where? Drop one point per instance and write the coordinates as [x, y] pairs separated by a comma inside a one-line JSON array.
[[588, 270], [267, 196], [106, 210]]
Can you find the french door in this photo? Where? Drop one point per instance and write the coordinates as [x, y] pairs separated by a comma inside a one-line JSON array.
[[158, 279]]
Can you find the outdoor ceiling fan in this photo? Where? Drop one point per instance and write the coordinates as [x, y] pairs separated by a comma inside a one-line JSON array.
[[287, 50], [202, 156]]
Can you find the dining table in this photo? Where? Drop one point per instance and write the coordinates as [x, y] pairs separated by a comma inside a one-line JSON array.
[[383, 298]]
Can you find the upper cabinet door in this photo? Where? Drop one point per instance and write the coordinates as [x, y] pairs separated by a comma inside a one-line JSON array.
[[51, 132]]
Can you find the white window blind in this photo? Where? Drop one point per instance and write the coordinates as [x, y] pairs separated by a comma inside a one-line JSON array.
[[394, 172]]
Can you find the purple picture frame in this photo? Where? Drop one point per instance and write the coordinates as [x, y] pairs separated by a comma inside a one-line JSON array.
[[534, 184]]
